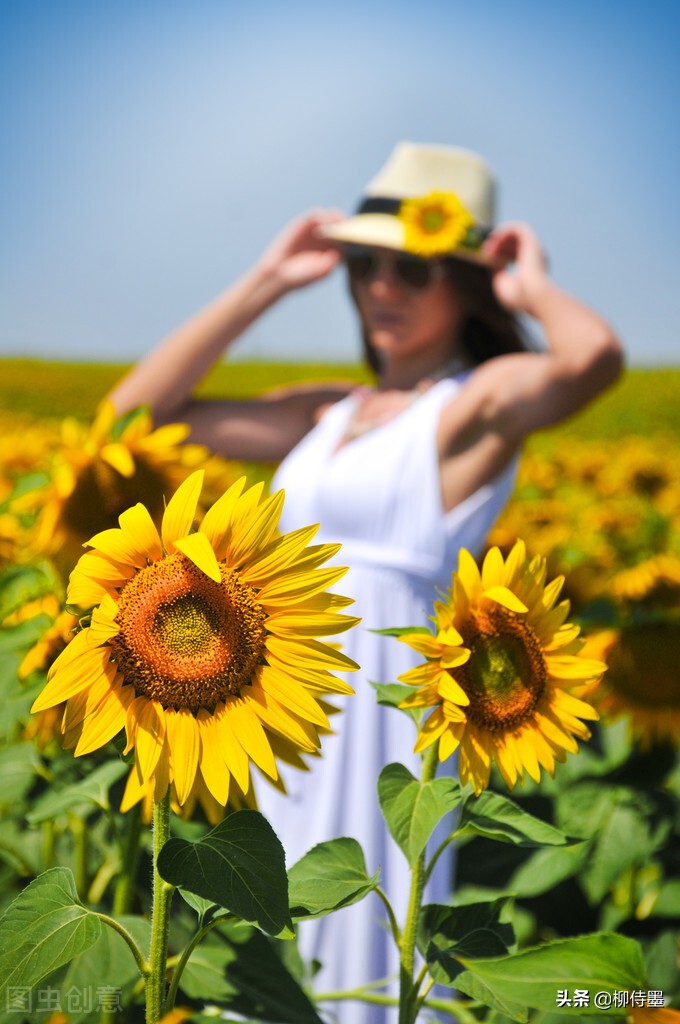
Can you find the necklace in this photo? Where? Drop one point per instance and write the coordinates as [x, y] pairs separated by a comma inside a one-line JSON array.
[[356, 428]]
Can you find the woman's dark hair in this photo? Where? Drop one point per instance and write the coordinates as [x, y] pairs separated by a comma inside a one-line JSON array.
[[489, 331]]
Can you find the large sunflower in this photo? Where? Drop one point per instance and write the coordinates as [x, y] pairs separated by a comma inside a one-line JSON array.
[[99, 470], [642, 683], [499, 670], [202, 645]]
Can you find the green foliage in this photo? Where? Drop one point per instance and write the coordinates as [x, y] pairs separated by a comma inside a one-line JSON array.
[[413, 809], [93, 790], [448, 934], [332, 875], [46, 926], [497, 817], [598, 963], [240, 865]]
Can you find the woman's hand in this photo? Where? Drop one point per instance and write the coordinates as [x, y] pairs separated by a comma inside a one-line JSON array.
[[517, 287], [297, 256]]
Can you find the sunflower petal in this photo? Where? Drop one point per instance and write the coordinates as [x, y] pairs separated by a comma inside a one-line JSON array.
[[184, 746], [199, 550], [139, 531], [506, 598], [119, 457], [180, 513]]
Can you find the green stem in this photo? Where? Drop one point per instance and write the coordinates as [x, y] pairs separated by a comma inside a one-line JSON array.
[[48, 844], [81, 849], [160, 917], [134, 948], [361, 994], [184, 959], [394, 927], [407, 990], [125, 886]]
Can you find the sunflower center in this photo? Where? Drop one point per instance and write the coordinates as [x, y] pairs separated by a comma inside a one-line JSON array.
[[101, 494], [505, 676], [433, 219], [643, 665], [186, 641]]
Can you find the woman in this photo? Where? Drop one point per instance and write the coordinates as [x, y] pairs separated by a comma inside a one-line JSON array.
[[403, 474]]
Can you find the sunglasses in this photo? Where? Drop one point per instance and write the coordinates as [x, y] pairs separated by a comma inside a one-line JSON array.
[[364, 265]]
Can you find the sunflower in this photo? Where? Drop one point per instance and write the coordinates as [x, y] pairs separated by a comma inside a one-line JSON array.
[[437, 224], [97, 471], [202, 645], [499, 669]]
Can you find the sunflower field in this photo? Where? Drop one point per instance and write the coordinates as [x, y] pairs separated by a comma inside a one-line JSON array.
[[161, 642]]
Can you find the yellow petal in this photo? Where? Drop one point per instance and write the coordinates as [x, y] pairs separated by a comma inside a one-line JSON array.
[[198, 549], [310, 654], [109, 720], [274, 716], [251, 735], [450, 690], [73, 678], [278, 555], [102, 627], [139, 530], [288, 589], [424, 643], [430, 730], [452, 657], [179, 516], [213, 767], [505, 597], [288, 692], [117, 546], [149, 740], [468, 573], [574, 667], [254, 535], [119, 457], [84, 592], [515, 563], [300, 623], [104, 569], [184, 745], [493, 569], [233, 753], [217, 520]]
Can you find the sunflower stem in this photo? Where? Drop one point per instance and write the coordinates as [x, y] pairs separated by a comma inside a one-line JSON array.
[[122, 899], [184, 958], [134, 948], [160, 917], [408, 991]]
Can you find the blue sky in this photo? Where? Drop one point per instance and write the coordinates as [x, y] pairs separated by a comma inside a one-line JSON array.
[[150, 150]]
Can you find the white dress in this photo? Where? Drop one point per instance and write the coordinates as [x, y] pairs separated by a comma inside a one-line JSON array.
[[379, 495]]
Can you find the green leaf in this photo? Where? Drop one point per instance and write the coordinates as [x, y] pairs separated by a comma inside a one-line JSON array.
[[600, 963], [445, 934], [667, 903], [390, 695], [240, 865], [547, 868], [264, 989], [20, 584], [45, 927], [496, 999], [204, 977], [93, 789], [108, 963], [330, 876], [18, 768], [413, 809], [496, 817]]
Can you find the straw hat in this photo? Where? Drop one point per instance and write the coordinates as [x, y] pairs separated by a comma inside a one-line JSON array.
[[429, 200]]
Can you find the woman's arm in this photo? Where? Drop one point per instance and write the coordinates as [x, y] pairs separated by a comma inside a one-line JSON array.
[[513, 395], [265, 429]]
